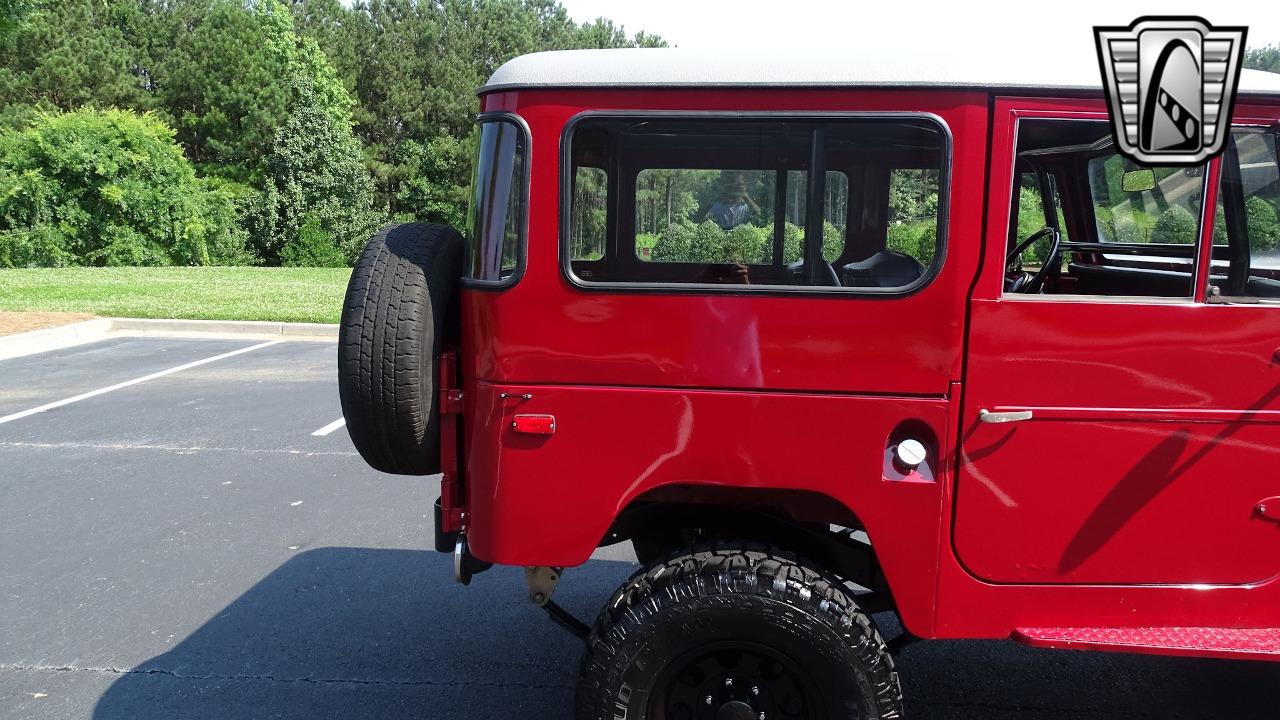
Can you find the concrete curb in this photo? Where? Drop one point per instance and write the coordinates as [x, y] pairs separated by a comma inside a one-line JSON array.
[[255, 328], [64, 336], [53, 338]]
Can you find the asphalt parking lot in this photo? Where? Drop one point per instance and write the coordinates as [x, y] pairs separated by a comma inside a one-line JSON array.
[[188, 547]]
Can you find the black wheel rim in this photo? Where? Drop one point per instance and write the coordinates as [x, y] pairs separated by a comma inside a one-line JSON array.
[[735, 681]]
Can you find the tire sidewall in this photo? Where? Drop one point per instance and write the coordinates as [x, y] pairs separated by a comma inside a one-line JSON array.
[[813, 646], [401, 306]]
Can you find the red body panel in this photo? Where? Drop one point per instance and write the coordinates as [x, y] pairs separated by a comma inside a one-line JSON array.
[[651, 389], [522, 486], [1241, 644]]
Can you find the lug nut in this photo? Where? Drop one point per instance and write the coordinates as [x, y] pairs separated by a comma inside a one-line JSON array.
[[728, 682], [755, 690], [708, 699]]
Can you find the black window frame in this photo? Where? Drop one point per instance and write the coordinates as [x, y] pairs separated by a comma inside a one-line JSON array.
[[522, 242], [1237, 251], [614, 286]]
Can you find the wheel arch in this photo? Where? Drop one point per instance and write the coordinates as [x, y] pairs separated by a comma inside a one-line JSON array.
[[668, 519]]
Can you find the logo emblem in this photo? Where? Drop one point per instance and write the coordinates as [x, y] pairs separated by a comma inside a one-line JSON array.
[[1170, 84]]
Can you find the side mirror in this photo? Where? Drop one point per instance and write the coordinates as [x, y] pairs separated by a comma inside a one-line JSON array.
[[1138, 180]]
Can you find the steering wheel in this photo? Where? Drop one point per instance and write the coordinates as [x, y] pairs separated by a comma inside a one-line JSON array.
[[1017, 281]]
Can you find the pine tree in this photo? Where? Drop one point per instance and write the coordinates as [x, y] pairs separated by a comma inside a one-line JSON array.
[[71, 54]]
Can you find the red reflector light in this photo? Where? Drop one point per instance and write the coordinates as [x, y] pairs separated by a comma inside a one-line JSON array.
[[534, 424]]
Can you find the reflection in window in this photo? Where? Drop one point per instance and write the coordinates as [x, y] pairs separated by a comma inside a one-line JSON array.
[[1250, 263], [1134, 228], [711, 201], [587, 223], [728, 216], [1168, 212], [913, 213], [498, 203]]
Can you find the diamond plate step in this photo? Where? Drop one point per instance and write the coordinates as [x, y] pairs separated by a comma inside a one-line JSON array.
[[1237, 643]]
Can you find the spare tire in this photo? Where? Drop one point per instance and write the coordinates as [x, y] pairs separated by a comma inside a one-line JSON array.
[[401, 306]]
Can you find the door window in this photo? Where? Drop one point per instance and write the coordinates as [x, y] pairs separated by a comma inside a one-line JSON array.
[[1246, 232], [1135, 227]]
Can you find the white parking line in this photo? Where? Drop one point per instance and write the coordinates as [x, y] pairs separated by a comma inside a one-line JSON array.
[[135, 381], [330, 427]]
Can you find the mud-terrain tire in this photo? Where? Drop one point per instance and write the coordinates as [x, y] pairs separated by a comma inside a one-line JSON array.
[[400, 306], [750, 628]]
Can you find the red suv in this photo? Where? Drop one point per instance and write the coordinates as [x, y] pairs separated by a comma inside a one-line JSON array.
[[825, 337]]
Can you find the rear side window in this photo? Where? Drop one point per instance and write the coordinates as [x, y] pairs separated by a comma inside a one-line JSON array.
[[774, 203], [735, 210], [495, 243]]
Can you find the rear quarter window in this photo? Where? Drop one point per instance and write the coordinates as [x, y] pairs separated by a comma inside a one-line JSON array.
[[499, 199]]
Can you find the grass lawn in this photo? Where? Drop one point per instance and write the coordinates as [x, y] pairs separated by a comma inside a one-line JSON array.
[[206, 293]]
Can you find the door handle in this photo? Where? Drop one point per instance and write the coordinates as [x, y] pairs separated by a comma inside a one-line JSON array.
[[987, 416]]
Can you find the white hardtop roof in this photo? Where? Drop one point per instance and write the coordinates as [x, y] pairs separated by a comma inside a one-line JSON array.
[[967, 67]]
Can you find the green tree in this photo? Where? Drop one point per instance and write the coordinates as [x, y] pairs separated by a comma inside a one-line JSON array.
[[316, 169], [311, 247], [71, 54], [12, 12], [222, 83], [414, 68], [223, 76], [1263, 58], [108, 187]]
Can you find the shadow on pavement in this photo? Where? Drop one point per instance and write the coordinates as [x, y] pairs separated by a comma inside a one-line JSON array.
[[363, 633]]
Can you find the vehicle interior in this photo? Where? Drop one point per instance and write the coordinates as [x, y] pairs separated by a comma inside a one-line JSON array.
[[716, 201], [1086, 220]]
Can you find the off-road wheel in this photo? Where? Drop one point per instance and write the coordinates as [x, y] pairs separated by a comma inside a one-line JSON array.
[[736, 633], [401, 305]]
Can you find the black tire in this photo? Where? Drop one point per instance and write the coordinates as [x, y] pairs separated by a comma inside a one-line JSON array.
[[684, 627], [401, 305]]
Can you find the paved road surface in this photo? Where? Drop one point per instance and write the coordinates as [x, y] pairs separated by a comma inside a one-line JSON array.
[[185, 547]]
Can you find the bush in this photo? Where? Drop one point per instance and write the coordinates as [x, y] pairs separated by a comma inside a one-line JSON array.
[[1264, 226], [792, 243], [674, 244], [111, 187], [312, 247], [316, 168], [1175, 225], [1126, 230], [747, 244]]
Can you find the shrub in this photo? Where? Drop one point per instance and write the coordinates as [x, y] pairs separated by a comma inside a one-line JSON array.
[[316, 167], [312, 247], [108, 187], [1126, 230], [927, 245], [674, 243], [747, 244], [707, 243], [1264, 226], [792, 243], [1175, 225]]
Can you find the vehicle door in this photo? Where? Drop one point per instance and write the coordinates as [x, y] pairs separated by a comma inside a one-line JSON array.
[[1122, 424]]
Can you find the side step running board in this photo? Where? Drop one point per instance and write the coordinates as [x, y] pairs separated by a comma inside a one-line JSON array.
[[1237, 643]]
